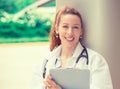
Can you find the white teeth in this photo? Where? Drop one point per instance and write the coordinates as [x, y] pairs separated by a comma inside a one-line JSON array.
[[70, 38]]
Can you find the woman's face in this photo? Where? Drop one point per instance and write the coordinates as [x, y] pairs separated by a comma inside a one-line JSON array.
[[69, 30]]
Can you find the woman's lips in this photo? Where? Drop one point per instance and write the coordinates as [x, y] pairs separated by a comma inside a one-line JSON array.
[[69, 38]]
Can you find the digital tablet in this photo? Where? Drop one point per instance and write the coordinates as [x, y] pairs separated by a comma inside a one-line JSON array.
[[71, 78]]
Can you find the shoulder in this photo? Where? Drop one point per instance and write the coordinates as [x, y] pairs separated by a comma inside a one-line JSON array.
[[54, 53], [96, 59], [93, 53]]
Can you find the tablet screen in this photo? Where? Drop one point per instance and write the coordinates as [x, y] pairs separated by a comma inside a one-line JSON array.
[[71, 78]]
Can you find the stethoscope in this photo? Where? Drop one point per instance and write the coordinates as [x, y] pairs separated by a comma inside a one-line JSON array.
[[84, 54]]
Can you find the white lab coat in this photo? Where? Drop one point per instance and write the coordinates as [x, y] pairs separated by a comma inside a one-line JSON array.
[[99, 71]]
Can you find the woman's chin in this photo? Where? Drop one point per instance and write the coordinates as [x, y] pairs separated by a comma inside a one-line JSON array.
[[70, 44]]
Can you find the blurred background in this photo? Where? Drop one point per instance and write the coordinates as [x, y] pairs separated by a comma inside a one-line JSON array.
[[24, 36], [25, 20]]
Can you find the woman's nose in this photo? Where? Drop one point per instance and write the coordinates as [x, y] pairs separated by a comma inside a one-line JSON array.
[[70, 31]]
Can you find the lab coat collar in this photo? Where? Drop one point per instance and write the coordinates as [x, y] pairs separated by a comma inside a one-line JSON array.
[[77, 50]]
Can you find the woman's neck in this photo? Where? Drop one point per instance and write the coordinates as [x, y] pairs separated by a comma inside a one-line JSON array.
[[66, 53]]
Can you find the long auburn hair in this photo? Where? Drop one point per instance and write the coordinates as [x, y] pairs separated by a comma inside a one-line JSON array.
[[55, 41]]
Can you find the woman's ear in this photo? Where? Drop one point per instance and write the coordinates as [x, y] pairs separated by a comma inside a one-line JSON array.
[[81, 33], [56, 31], [56, 34]]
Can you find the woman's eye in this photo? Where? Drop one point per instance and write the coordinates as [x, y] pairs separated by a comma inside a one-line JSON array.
[[75, 27], [65, 26]]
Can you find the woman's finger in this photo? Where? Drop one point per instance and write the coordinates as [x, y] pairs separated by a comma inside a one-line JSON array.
[[50, 84]]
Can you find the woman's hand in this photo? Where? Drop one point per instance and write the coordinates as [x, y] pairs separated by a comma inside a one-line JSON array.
[[50, 84]]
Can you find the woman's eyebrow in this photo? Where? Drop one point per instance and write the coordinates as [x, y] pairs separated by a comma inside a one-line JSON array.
[[68, 24], [77, 24], [65, 23]]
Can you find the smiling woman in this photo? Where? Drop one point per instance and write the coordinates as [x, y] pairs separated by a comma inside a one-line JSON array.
[[67, 51]]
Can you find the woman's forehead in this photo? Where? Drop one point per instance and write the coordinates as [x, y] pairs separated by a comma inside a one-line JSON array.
[[70, 18]]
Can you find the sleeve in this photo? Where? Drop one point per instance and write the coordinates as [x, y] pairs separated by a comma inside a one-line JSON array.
[[38, 80], [100, 75]]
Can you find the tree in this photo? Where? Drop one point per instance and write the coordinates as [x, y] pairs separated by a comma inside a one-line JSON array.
[[13, 6]]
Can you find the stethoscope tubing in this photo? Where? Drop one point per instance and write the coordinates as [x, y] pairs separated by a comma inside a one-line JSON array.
[[84, 53]]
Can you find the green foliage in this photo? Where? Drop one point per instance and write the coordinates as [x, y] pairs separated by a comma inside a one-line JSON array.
[[50, 4], [25, 29], [17, 25], [13, 6], [29, 26], [24, 39]]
